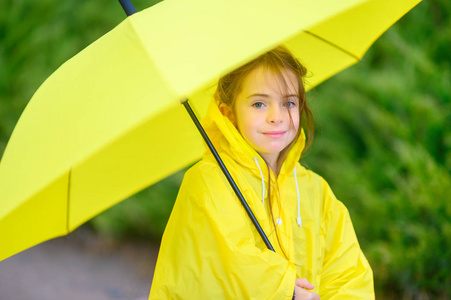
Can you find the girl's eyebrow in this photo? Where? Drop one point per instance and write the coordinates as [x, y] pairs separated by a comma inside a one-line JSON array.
[[257, 95], [266, 95]]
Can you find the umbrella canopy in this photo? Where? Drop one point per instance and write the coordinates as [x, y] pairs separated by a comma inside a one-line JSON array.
[[109, 122]]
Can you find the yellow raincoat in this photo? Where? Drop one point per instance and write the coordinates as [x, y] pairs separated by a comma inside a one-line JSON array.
[[211, 250]]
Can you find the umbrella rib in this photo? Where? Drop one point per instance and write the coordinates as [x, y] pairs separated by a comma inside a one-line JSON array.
[[68, 200], [334, 45]]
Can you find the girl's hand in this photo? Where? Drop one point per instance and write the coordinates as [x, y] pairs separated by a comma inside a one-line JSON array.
[[300, 290]]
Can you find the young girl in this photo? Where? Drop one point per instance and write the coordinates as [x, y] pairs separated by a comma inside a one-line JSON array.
[[211, 249]]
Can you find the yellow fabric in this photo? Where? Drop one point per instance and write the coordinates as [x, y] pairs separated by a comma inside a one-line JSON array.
[[211, 250], [108, 122]]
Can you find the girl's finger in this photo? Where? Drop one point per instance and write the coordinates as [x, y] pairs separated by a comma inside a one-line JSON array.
[[304, 283]]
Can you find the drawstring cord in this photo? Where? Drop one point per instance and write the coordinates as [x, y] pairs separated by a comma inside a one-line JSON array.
[[279, 221], [263, 180], [299, 220]]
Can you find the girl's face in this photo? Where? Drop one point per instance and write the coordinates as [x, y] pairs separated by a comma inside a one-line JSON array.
[[266, 111]]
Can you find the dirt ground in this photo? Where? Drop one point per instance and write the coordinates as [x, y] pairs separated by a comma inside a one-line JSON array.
[[79, 266]]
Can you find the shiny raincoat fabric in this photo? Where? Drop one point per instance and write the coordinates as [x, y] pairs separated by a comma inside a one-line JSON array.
[[211, 250]]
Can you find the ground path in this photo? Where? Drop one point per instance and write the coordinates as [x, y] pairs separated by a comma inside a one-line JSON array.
[[79, 266]]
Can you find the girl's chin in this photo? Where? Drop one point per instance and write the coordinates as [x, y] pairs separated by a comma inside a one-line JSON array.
[[270, 151]]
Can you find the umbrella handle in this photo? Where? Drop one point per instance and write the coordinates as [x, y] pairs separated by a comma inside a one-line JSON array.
[[227, 175], [128, 7]]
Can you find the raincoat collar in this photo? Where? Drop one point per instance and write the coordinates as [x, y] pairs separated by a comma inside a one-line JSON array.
[[226, 138]]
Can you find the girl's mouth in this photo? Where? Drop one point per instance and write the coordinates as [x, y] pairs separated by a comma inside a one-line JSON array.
[[274, 134]]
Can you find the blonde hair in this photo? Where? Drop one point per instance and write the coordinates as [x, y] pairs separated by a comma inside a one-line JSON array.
[[277, 60]]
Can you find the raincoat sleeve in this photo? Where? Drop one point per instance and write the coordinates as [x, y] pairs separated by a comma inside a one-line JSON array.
[[208, 249], [346, 273]]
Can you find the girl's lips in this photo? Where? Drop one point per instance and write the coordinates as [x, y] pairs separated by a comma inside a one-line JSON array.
[[275, 134]]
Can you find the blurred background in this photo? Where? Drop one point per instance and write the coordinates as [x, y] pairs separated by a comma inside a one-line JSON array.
[[382, 139]]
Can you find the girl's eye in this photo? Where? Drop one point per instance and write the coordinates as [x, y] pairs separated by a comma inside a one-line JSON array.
[[257, 104], [289, 104]]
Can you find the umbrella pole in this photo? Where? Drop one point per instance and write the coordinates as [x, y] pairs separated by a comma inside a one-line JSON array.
[[130, 10], [227, 175]]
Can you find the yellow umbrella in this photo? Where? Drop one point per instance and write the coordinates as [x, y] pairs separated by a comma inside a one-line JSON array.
[[109, 122]]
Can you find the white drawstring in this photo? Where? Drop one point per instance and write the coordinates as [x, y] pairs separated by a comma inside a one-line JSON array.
[[263, 180], [299, 220]]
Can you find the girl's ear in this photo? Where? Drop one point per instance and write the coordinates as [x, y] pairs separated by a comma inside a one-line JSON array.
[[227, 112]]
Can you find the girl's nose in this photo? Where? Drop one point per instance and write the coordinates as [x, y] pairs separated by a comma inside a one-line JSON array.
[[274, 115]]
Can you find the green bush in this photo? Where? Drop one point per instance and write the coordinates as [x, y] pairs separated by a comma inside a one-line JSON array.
[[383, 142]]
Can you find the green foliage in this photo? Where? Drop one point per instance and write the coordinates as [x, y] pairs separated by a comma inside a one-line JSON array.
[[383, 142], [383, 135]]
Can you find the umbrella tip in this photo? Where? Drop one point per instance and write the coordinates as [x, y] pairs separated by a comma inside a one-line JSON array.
[[128, 7]]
